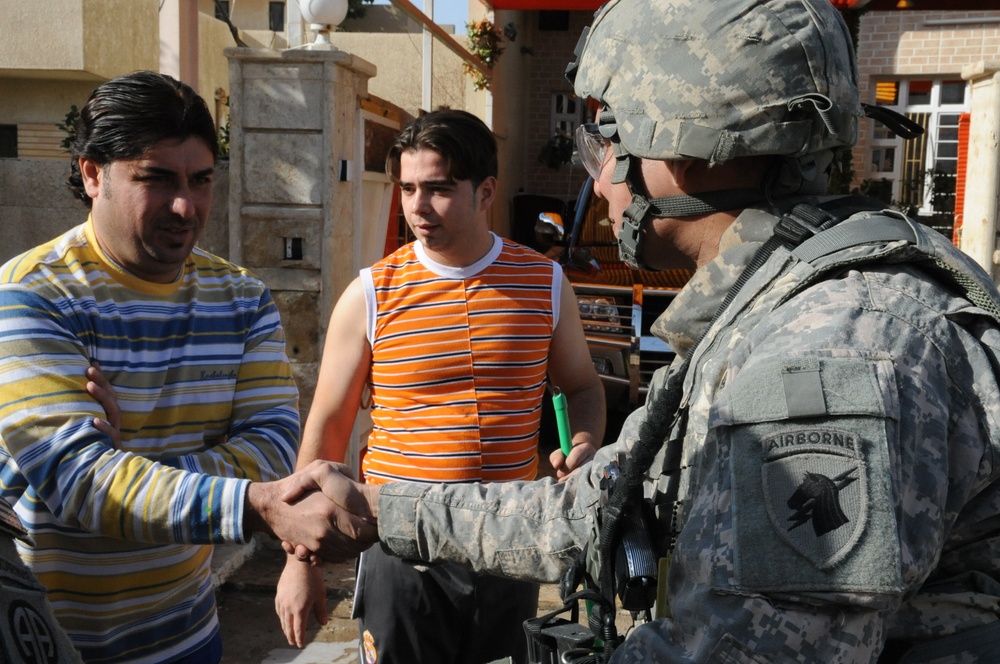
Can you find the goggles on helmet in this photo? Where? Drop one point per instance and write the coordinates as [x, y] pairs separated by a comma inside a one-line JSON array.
[[593, 149]]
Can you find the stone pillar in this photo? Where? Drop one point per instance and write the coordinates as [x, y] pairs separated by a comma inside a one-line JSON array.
[[295, 200], [982, 183]]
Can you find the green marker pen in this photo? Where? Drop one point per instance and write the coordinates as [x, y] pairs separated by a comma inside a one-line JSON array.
[[565, 442], [562, 421]]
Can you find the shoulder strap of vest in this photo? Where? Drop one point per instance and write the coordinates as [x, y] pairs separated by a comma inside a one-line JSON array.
[[880, 228], [809, 232]]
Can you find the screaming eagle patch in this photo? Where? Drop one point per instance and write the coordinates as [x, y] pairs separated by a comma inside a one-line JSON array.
[[805, 443], [815, 491], [812, 509]]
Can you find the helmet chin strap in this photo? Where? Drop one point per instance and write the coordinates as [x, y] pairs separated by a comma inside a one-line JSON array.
[[642, 209]]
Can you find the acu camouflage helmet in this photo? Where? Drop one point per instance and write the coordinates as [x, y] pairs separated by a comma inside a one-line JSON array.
[[720, 79]]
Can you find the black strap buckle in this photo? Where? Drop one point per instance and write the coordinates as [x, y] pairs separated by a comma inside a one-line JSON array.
[[801, 223], [630, 237]]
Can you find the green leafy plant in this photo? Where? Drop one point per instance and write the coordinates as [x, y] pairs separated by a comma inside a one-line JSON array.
[[880, 189], [223, 133], [224, 138], [68, 125], [558, 150], [938, 185], [356, 8], [842, 174], [484, 43]]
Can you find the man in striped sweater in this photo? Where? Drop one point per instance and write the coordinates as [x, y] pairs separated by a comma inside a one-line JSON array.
[[462, 333], [192, 355]]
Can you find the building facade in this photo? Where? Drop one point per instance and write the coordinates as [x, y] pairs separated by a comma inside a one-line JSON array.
[[913, 61]]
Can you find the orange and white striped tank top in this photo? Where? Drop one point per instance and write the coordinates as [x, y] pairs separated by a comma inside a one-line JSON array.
[[459, 359]]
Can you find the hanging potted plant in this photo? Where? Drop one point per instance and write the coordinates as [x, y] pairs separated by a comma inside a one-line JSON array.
[[484, 42], [558, 150]]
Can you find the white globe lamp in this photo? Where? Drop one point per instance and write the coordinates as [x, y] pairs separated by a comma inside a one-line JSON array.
[[323, 16]]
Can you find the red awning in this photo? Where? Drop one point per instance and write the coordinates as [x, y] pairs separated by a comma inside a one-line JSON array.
[[573, 5], [593, 5], [849, 4]]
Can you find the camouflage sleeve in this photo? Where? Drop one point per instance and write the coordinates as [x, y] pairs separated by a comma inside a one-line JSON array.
[[29, 631], [837, 486], [832, 481], [525, 530]]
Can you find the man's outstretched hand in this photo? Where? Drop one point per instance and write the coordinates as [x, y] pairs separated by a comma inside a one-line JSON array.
[[317, 510], [333, 481]]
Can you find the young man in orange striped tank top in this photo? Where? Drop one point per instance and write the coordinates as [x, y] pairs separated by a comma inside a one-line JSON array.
[[462, 333]]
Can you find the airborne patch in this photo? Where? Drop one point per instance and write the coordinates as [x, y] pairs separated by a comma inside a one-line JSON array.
[[808, 441], [815, 491]]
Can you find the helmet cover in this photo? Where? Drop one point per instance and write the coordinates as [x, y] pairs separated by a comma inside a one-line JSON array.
[[721, 79]]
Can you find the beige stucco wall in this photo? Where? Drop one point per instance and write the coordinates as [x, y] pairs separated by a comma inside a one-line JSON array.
[[26, 21], [24, 100], [245, 14], [213, 66], [89, 42], [120, 36], [78, 39], [530, 70], [398, 58], [251, 18]]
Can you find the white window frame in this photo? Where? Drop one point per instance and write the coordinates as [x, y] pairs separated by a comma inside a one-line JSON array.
[[934, 110], [569, 117]]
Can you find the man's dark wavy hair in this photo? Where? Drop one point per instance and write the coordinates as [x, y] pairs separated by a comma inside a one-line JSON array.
[[128, 115], [463, 140]]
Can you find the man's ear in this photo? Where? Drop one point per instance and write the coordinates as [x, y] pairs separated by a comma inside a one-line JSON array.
[[92, 175], [487, 192]]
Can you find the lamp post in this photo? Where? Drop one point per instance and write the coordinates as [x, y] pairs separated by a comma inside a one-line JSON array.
[[323, 16]]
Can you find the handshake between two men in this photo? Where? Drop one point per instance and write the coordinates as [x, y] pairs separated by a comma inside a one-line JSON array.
[[319, 513]]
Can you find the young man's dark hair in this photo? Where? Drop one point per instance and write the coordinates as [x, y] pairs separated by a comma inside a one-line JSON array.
[[128, 115], [465, 142], [861, 325]]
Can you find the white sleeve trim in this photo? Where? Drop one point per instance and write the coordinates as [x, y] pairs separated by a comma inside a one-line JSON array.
[[371, 306], [557, 283]]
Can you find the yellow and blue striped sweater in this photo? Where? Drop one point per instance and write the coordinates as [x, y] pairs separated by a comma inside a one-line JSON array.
[[208, 403]]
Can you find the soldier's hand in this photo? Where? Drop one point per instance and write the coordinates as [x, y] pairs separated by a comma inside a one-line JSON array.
[[310, 520], [334, 481]]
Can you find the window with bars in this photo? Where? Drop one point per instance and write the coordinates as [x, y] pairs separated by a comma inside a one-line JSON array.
[[922, 171], [566, 113]]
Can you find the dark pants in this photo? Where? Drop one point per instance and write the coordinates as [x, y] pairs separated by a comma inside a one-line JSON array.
[[440, 614]]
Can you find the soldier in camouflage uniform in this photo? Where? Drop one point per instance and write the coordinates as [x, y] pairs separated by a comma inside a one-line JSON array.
[[29, 633], [826, 489]]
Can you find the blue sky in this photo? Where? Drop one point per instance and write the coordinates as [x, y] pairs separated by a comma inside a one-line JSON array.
[[455, 12]]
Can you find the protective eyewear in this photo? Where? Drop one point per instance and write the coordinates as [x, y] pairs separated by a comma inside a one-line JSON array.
[[593, 149]]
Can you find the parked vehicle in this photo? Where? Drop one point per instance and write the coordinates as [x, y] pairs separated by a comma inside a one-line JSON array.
[[617, 304]]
